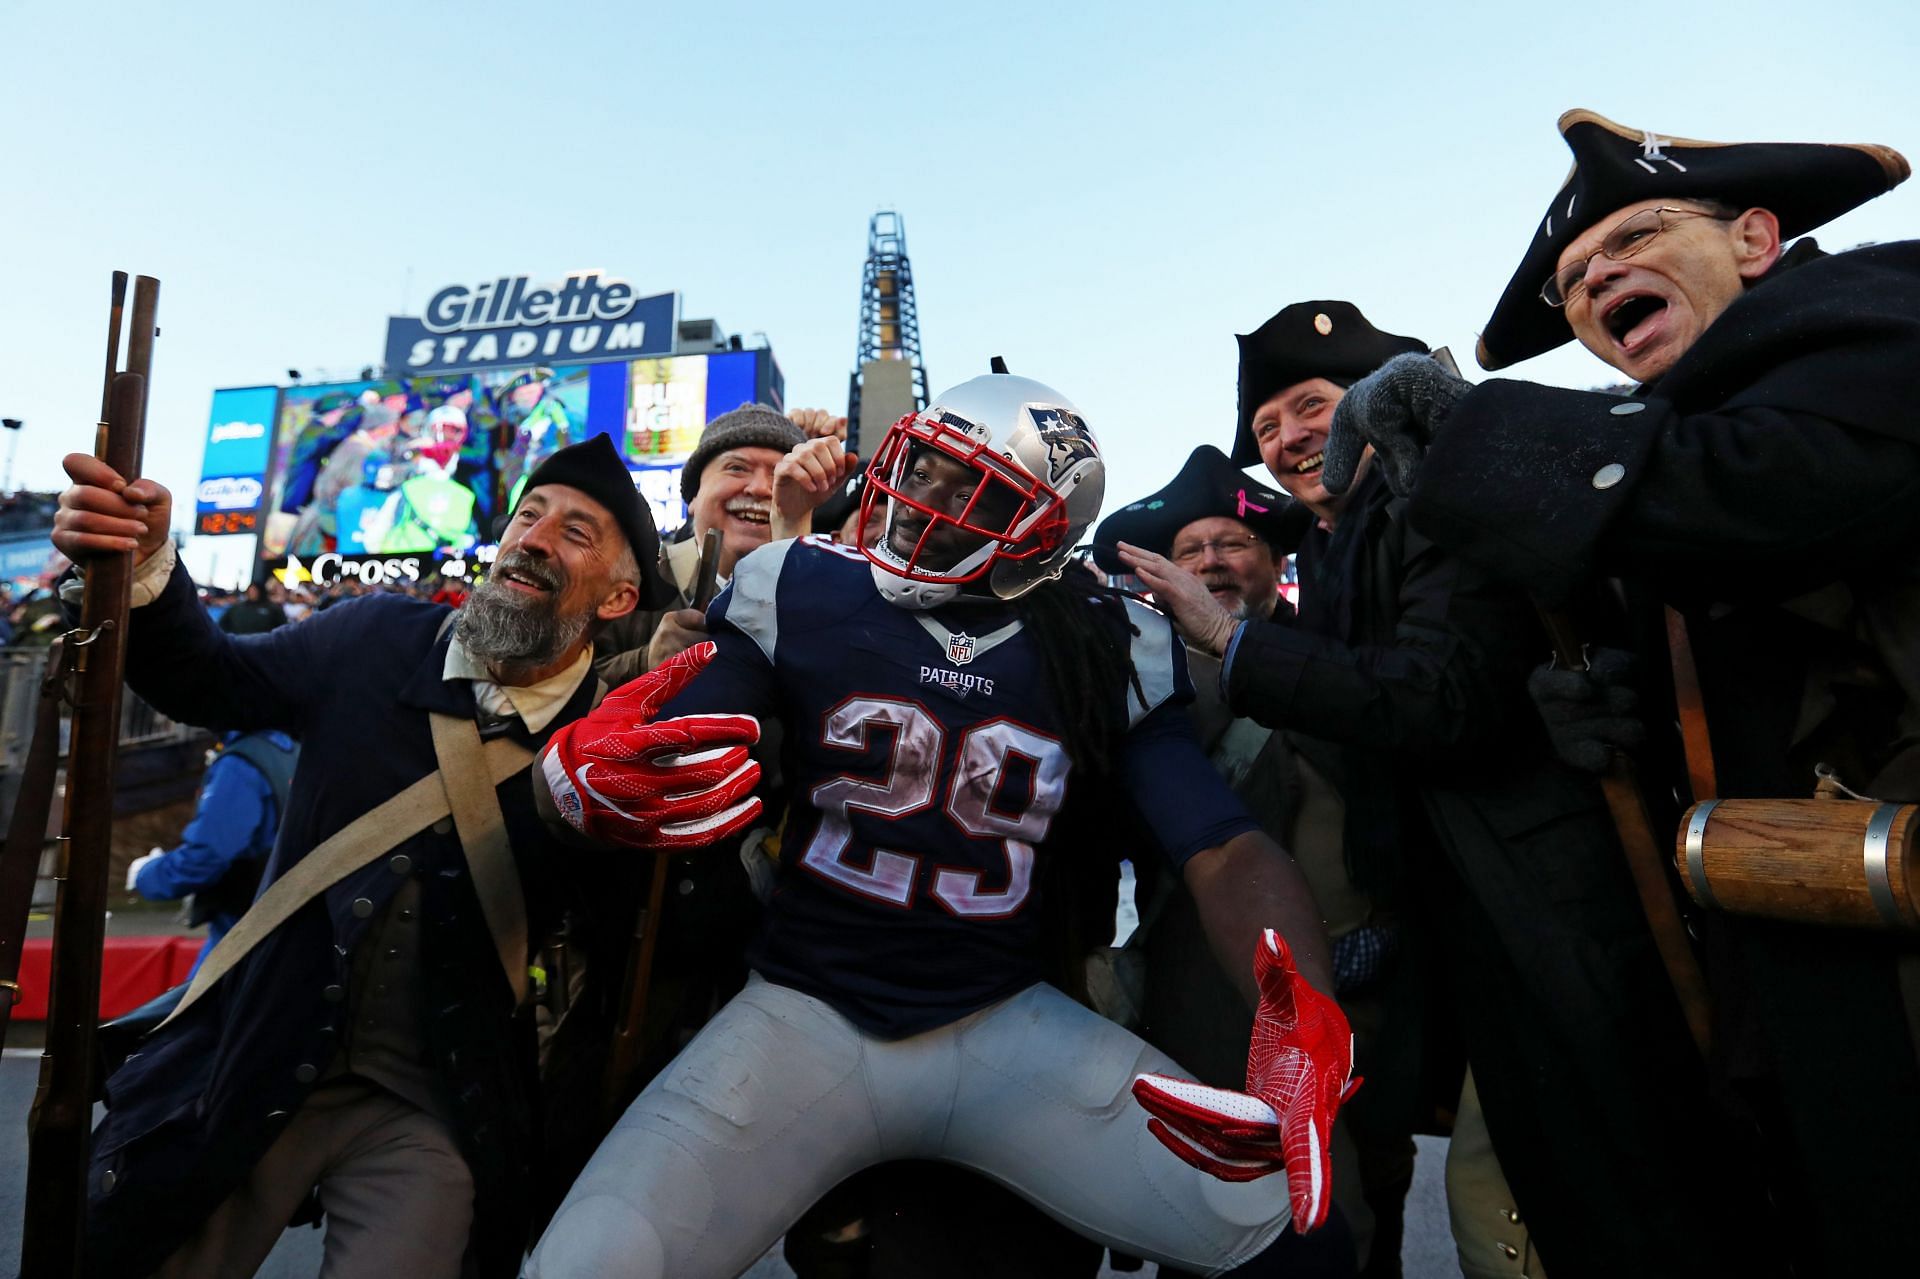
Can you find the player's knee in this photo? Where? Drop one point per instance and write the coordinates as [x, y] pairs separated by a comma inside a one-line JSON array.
[[598, 1237]]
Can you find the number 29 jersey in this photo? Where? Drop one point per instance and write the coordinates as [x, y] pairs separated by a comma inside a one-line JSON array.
[[926, 764]]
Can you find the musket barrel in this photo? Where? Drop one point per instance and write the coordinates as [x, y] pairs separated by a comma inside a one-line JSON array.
[[58, 1129]]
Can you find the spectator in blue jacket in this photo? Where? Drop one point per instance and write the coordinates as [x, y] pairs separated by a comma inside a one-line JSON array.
[[224, 847]]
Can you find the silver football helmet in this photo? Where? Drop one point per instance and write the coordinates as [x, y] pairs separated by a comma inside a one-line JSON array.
[[1028, 485]]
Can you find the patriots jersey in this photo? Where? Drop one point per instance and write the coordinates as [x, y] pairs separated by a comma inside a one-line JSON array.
[[926, 760]]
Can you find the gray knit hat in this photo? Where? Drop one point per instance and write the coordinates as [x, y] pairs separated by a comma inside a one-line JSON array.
[[749, 426]]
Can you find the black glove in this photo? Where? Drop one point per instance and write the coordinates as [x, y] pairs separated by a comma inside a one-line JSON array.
[[1396, 408], [1592, 713]]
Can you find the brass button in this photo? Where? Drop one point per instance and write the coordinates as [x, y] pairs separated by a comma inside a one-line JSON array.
[[1609, 475], [362, 907], [400, 863], [405, 915], [306, 1072], [1323, 324], [1508, 1251], [1510, 1215], [334, 994], [1628, 409], [442, 826]]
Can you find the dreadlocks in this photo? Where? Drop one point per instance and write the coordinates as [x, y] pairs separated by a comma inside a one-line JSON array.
[[1081, 629]]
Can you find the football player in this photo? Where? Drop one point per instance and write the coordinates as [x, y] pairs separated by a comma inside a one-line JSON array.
[[943, 692]]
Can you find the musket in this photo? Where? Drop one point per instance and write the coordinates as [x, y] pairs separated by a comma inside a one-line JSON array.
[[61, 1118], [629, 1033]]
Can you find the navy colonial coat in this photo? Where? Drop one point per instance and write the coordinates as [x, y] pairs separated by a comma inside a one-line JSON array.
[[1768, 485], [1411, 664], [202, 1099]]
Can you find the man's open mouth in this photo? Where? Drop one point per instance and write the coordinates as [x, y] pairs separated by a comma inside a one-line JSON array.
[[1628, 320], [526, 579], [1307, 466], [749, 514]]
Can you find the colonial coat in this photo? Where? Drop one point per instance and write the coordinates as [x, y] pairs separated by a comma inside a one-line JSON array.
[[200, 1101], [1769, 487], [1506, 864]]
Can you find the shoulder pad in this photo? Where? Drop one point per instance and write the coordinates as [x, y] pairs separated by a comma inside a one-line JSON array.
[[750, 602], [1158, 659]]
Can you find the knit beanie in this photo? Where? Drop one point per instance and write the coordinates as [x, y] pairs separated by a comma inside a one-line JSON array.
[[749, 426]]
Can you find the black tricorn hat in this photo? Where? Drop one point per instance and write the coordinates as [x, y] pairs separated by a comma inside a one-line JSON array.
[[594, 467], [1308, 339], [1207, 486], [1803, 184]]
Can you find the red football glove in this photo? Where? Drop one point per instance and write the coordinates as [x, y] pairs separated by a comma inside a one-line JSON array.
[[1298, 1075], [618, 777]]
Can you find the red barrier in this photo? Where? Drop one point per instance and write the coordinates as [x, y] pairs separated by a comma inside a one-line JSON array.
[[133, 970]]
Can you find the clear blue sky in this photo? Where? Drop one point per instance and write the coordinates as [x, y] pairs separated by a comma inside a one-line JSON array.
[[1102, 193]]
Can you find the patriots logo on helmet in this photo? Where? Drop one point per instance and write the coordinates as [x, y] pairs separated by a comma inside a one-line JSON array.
[[959, 648], [1068, 443]]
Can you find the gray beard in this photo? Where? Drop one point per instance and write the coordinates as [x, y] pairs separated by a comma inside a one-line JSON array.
[[509, 634]]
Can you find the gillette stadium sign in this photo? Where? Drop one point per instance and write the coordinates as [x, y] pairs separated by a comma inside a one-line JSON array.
[[513, 320]]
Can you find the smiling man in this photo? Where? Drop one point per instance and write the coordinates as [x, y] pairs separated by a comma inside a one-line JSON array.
[[1764, 480], [373, 1049]]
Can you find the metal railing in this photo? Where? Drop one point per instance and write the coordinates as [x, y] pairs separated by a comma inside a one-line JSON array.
[[21, 670]]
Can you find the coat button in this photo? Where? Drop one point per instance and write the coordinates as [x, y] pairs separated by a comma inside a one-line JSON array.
[[1508, 1251], [1627, 409], [306, 1072], [108, 1181], [334, 994], [443, 826], [400, 863], [362, 907], [1609, 475]]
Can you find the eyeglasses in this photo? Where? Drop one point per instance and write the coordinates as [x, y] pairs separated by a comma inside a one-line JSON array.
[[1632, 235], [1225, 547]]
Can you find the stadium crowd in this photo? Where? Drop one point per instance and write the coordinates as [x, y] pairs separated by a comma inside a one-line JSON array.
[[1389, 844]]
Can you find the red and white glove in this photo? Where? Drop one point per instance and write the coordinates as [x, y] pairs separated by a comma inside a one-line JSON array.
[[619, 777], [1299, 1072]]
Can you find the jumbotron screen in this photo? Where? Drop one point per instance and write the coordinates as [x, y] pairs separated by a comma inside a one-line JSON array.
[[423, 466]]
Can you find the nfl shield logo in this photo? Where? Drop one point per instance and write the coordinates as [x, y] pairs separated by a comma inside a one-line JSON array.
[[960, 648]]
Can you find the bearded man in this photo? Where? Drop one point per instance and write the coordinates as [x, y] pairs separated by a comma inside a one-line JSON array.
[[374, 1048]]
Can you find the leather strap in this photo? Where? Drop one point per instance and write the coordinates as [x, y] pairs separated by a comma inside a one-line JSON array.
[[27, 829], [355, 845], [1693, 712], [483, 838]]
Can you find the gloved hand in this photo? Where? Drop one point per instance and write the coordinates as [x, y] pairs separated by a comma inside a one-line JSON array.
[[1396, 408], [619, 777], [133, 867], [1592, 713], [1299, 1073]]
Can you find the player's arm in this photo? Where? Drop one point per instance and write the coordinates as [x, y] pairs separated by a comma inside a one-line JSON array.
[[1255, 906], [1246, 886]]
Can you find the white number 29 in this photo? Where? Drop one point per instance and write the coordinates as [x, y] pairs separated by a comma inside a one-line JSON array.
[[912, 775]]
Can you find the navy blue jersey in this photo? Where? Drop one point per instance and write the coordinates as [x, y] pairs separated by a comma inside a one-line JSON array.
[[925, 759]]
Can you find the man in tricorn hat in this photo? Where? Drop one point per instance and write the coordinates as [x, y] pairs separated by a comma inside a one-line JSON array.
[[1498, 886], [374, 1048], [1765, 480]]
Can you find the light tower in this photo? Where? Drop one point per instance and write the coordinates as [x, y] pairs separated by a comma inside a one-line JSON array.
[[888, 381]]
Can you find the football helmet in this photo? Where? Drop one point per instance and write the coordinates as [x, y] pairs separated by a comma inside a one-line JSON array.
[[1032, 484]]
